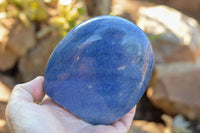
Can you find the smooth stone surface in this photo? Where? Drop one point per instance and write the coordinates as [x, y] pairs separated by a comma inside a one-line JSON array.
[[100, 69]]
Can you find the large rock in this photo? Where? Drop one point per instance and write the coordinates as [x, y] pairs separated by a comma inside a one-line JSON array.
[[177, 89], [9, 81], [4, 92], [5, 26], [34, 63], [21, 38], [16, 37], [15, 40], [190, 7], [139, 126], [171, 33], [7, 59], [6, 85]]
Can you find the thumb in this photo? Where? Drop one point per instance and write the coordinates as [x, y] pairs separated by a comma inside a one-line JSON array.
[[22, 97], [30, 92]]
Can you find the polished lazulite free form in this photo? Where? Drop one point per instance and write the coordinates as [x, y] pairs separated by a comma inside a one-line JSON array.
[[100, 69]]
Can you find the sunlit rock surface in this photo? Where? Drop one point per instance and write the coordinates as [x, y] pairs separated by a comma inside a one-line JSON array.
[[171, 33]]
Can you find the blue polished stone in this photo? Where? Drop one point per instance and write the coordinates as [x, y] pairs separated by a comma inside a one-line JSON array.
[[100, 69]]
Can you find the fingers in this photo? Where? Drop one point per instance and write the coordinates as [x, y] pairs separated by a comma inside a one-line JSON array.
[[124, 123], [21, 94], [120, 126], [31, 91]]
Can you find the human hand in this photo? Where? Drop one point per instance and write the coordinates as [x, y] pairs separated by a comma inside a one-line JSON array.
[[24, 115]]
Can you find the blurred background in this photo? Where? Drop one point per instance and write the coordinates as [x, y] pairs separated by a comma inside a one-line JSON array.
[[31, 29]]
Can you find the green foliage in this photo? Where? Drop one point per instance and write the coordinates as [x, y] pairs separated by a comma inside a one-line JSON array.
[[2, 5], [51, 12], [35, 10], [154, 37], [68, 17]]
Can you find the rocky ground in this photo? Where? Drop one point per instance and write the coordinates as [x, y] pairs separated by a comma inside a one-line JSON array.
[[171, 103], [174, 87]]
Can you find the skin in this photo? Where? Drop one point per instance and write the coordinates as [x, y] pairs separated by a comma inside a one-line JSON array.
[[24, 115]]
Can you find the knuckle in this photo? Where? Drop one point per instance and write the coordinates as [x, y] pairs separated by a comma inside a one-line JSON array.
[[18, 86]]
